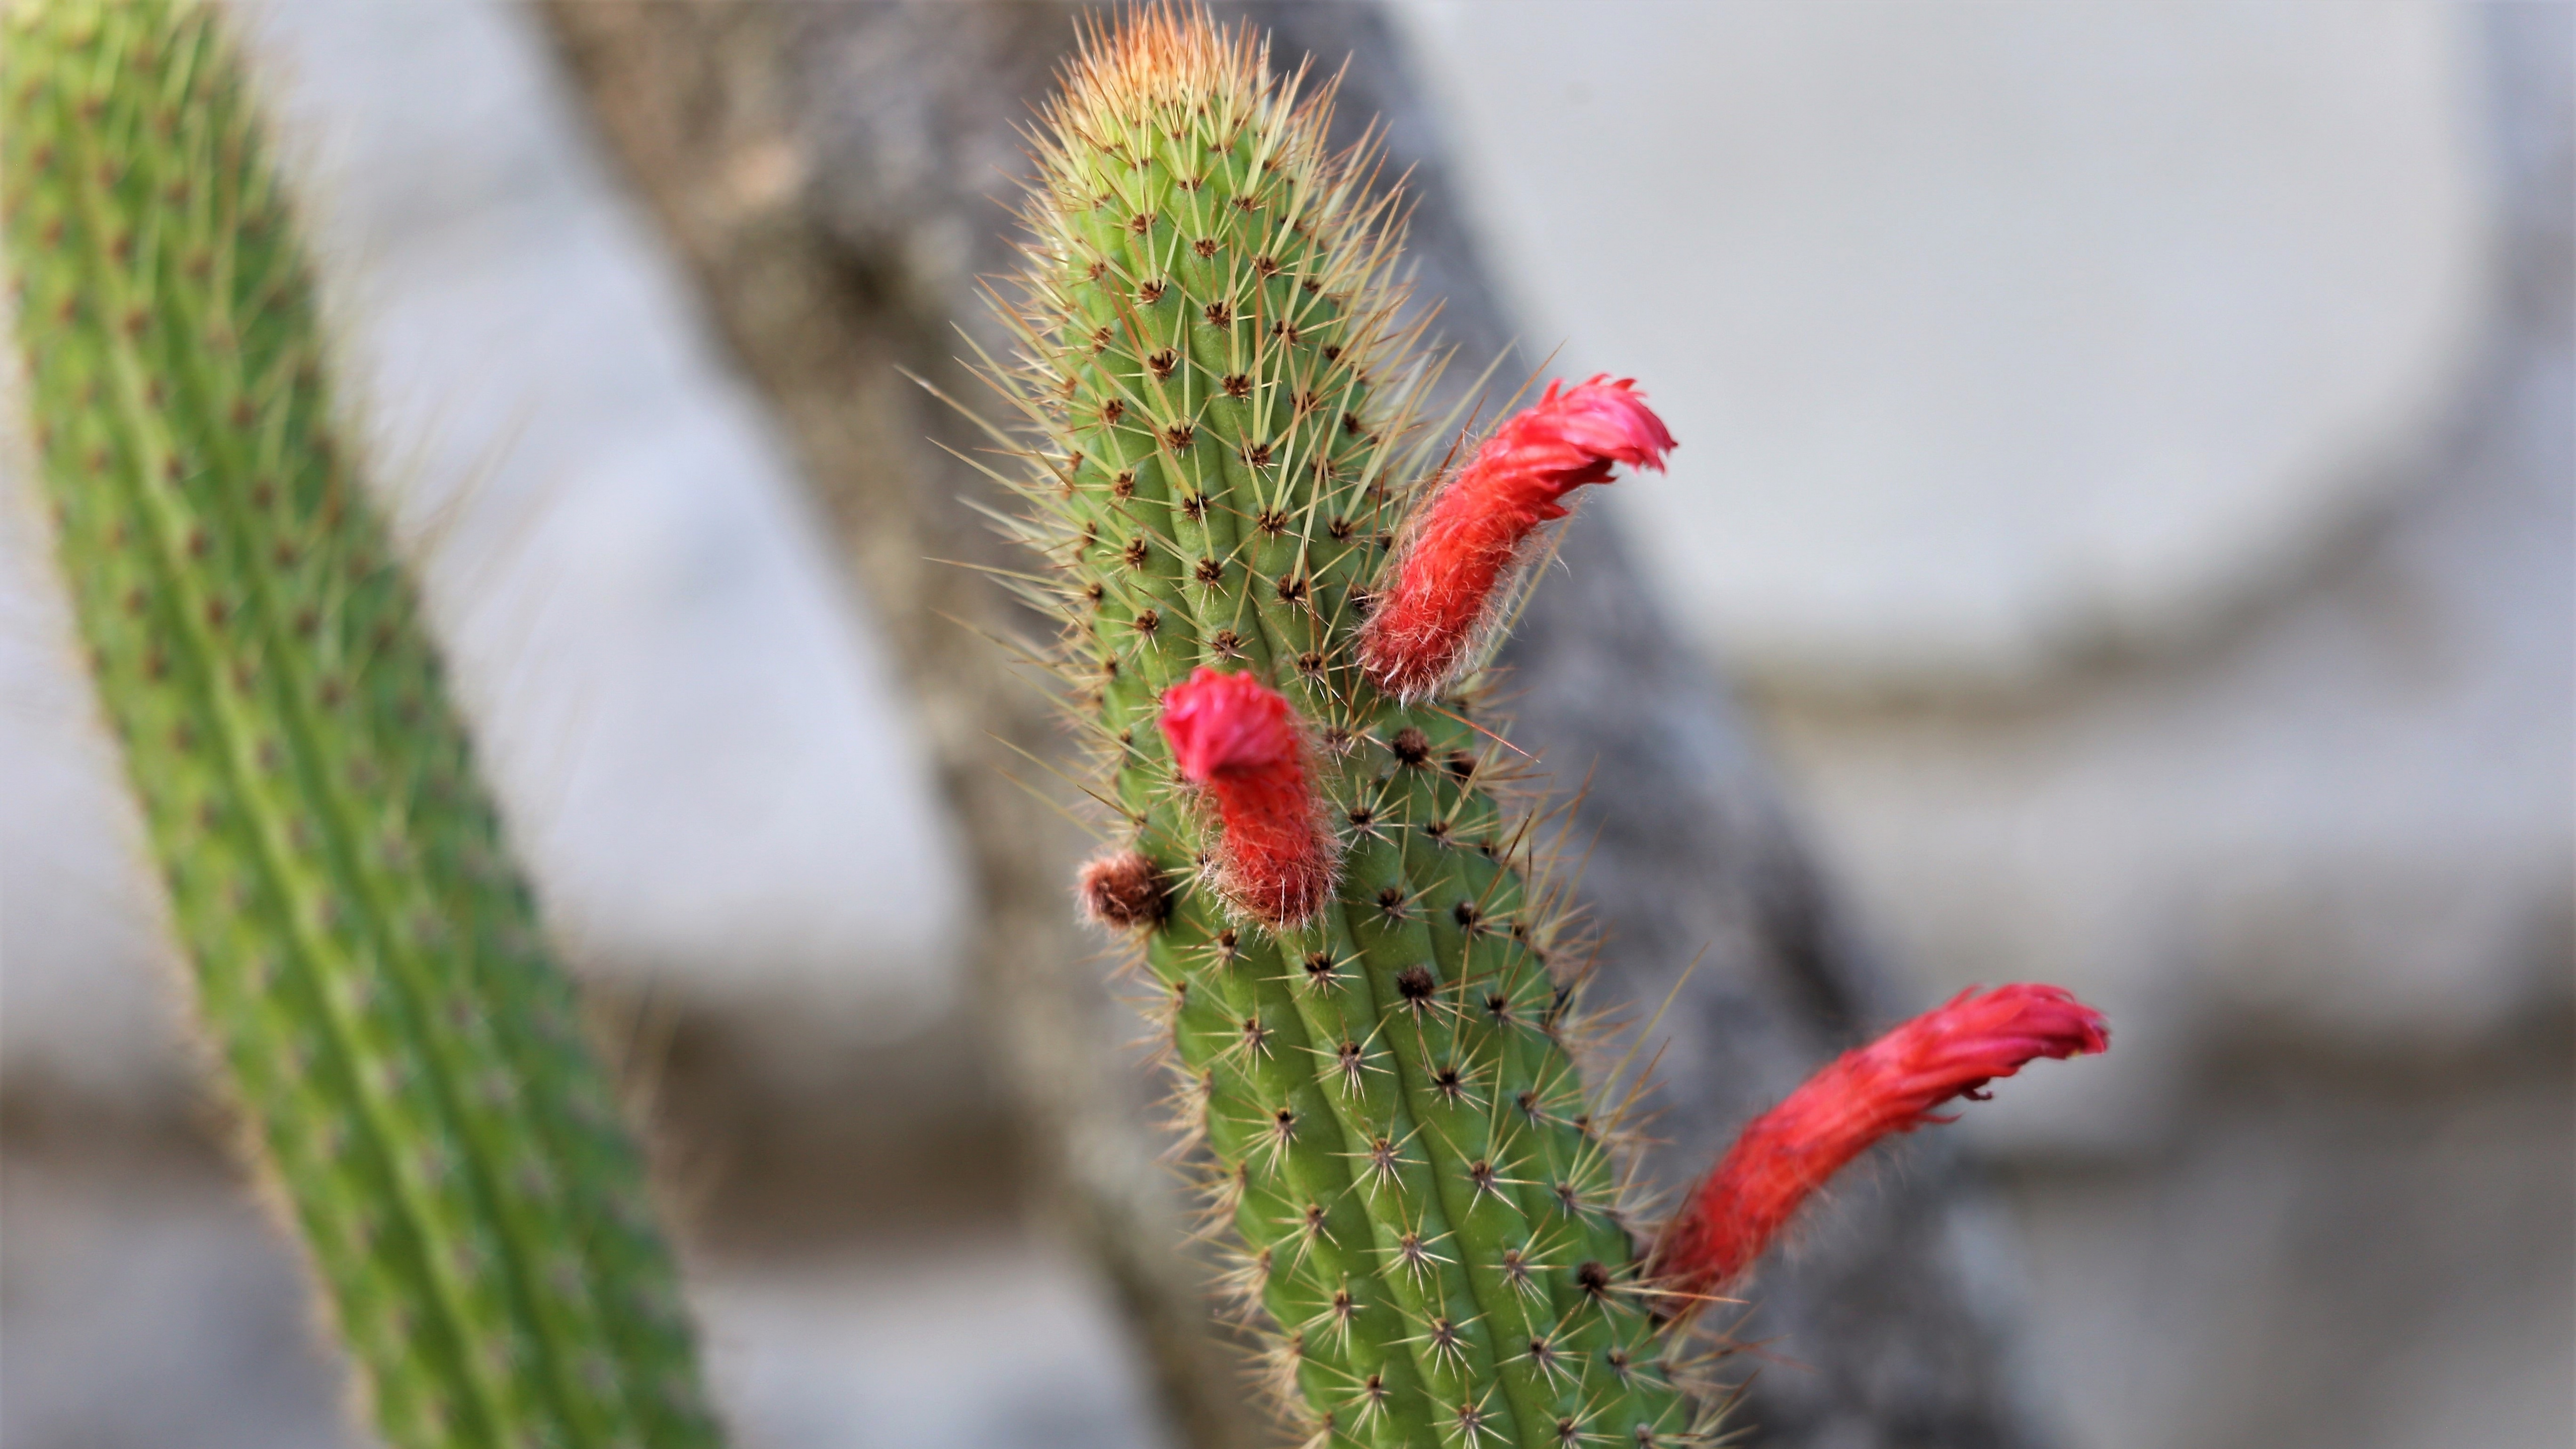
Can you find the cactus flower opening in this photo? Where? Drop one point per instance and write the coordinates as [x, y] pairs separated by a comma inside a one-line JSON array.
[[1471, 538], [1238, 740], [1891, 1085]]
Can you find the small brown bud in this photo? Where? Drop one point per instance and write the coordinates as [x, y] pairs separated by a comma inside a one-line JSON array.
[[1411, 746], [1123, 891]]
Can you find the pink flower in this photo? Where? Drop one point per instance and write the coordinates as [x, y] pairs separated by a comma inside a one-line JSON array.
[[1239, 741], [1891, 1085], [1470, 539]]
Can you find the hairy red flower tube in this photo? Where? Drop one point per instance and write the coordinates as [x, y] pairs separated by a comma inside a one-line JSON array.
[[1238, 740], [1454, 565], [1890, 1085]]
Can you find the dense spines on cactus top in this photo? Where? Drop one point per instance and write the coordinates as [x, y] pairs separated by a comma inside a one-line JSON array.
[[368, 966], [1217, 395]]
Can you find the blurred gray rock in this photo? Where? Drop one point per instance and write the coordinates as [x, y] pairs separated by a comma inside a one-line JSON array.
[[2342, 822], [144, 1304], [1991, 334], [150, 1306], [2141, 482], [987, 1341], [2333, 1259]]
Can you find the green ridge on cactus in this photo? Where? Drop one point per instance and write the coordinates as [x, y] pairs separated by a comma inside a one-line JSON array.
[[1218, 389], [367, 963]]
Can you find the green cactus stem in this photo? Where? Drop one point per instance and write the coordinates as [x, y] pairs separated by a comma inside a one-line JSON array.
[[1216, 394], [368, 966]]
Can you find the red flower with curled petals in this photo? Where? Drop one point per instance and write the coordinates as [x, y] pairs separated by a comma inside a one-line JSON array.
[[1471, 538], [1891, 1085], [1239, 741]]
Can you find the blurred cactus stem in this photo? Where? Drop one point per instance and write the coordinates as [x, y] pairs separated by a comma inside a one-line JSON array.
[[404, 1053]]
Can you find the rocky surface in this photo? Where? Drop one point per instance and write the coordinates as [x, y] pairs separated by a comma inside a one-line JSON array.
[[151, 1305], [1989, 344]]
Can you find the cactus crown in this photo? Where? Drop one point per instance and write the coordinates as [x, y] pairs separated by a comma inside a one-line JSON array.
[[1216, 381]]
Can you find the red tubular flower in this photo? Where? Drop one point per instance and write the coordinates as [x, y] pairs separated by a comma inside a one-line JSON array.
[[1891, 1085], [1471, 537], [1238, 740]]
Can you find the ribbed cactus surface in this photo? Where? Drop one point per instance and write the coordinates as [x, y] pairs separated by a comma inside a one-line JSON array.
[[368, 965], [1217, 390]]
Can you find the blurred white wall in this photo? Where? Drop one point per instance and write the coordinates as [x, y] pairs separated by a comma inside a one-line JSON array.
[[1990, 331], [2127, 454]]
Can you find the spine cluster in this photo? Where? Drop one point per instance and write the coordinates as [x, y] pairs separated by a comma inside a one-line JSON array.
[[368, 966]]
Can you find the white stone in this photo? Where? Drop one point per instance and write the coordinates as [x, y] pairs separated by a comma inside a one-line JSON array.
[[148, 1303], [2346, 827], [2319, 1268], [983, 1341], [1991, 333]]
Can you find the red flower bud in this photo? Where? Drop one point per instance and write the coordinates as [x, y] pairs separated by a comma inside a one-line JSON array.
[[1122, 890], [1891, 1085], [1469, 540], [1239, 741]]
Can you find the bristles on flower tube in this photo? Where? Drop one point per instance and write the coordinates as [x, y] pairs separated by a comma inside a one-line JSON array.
[[1891, 1085], [1446, 582], [1238, 740]]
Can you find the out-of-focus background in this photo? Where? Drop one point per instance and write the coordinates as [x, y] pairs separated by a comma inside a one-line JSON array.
[[2129, 468]]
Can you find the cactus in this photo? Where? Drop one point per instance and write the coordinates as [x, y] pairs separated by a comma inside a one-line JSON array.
[[1358, 993], [368, 968], [1273, 613]]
